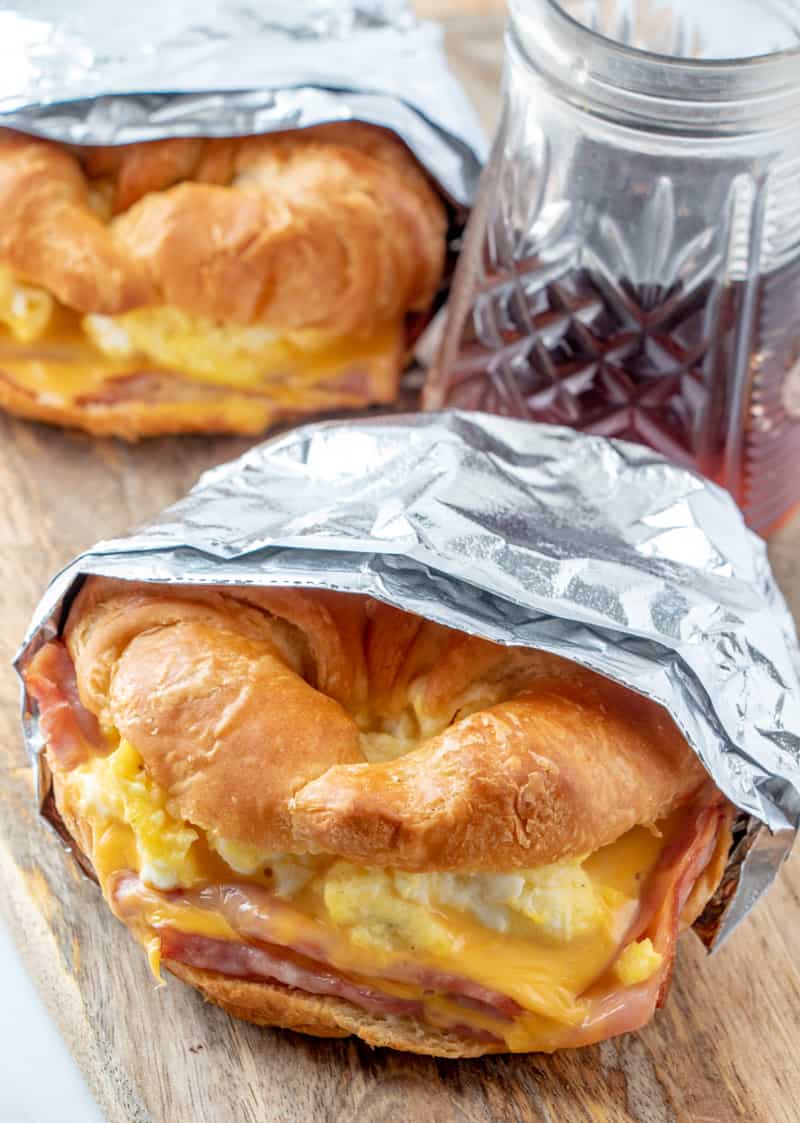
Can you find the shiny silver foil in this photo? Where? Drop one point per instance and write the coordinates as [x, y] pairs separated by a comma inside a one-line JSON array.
[[112, 72], [596, 550]]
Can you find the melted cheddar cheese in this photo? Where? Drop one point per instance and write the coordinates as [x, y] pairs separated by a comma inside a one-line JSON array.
[[539, 936], [62, 356]]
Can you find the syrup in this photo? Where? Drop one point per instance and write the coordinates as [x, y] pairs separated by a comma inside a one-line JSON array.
[[706, 376]]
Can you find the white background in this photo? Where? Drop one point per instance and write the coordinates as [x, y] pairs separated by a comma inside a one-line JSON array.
[[39, 1081]]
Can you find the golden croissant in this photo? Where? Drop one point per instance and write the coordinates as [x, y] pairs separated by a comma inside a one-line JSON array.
[[198, 284], [334, 816]]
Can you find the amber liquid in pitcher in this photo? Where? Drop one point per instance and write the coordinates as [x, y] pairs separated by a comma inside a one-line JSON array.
[[631, 267], [659, 366]]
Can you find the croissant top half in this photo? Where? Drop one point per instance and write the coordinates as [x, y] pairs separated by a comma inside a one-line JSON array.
[[303, 720], [334, 227]]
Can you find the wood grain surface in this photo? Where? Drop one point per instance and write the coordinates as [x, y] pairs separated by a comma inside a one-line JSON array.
[[445, 9], [724, 1049]]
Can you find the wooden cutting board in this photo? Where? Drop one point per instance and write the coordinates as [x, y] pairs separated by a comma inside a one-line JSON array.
[[724, 1049]]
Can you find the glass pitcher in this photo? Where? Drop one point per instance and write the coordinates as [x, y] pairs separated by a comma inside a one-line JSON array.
[[632, 265]]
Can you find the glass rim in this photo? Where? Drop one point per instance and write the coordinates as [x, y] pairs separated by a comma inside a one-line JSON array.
[[693, 96], [678, 62]]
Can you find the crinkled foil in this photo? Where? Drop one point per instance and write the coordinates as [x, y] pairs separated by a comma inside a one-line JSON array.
[[596, 550], [112, 72]]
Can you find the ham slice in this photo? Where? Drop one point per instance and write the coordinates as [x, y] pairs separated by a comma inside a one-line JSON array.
[[252, 910], [273, 964], [71, 731], [255, 914], [617, 1009], [247, 961], [667, 890]]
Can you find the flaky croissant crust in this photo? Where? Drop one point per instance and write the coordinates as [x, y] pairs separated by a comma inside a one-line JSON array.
[[333, 228], [253, 709]]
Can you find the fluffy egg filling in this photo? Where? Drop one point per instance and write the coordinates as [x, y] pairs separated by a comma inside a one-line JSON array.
[[61, 355], [540, 936]]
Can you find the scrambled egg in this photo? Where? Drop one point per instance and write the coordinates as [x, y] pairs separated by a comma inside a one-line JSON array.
[[84, 350], [202, 347], [290, 872], [637, 963], [556, 925], [212, 350], [379, 746], [24, 309], [364, 901], [406, 731], [117, 788], [557, 903]]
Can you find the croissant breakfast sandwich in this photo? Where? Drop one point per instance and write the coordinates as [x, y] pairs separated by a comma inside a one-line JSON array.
[[330, 815], [190, 285]]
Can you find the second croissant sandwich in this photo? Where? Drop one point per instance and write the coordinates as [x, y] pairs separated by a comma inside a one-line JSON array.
[[192, 285], [334, 816]]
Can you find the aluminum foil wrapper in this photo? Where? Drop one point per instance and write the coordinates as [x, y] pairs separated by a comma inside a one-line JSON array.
[[112, 72], [596, 550]]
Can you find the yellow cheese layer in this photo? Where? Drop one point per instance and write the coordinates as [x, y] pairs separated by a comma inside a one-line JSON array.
[[540, 936], [61, 356]]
